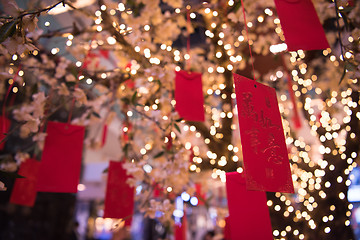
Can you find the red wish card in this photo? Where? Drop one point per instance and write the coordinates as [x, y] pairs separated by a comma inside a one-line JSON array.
[[301, 25], [24, 191], [248, 212], [189, 96], [200, 194], [227, 231], [61, 158], [119, 198], [264, 149], [4, 128], [180, 229]]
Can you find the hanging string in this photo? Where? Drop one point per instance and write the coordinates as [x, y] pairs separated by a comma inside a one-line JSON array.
[[248, 39], [340, 38], [339, 30], [5, 100], [77, 79], [296, 117], [188, 37]]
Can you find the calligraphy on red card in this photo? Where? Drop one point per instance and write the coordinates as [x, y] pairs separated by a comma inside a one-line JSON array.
[[264, 149], [247, 211], [301, 25], [119, 198], [24, 191], [61, 158], [189, 96]]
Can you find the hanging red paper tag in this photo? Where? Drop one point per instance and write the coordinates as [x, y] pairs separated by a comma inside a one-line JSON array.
[[189, 96], [301, 25], [4, 128], [130, 83], [119, 199], [180, 229], [61, 158], [158, 191], [264, 149], [24, 191], [296, 117], [199, 193], [179, 232], [104, 135], [227, 231], [247, 210]]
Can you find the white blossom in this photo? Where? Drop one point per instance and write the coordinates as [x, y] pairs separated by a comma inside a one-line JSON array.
[[21, 157], [2, 186]]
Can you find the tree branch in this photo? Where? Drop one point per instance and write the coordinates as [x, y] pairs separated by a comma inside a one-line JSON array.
[[37, 12], [121, 40]]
